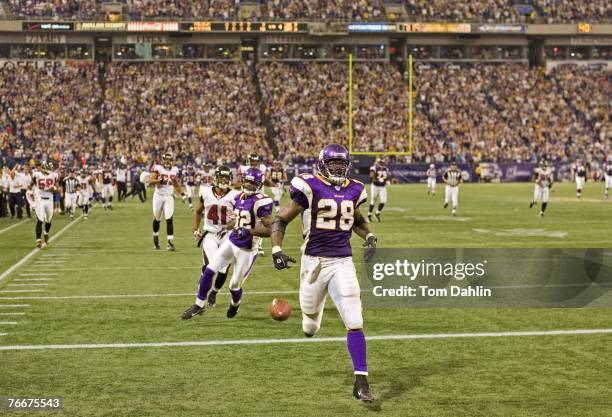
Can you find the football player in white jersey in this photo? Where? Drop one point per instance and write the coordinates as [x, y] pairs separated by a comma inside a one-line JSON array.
[[85, 191], [543, 176], [608, 175], [579, 172], [165, 179], [217, 205], [108, 190], [379, 176], [44, 185], [277, 178], [205, 177], [432, 173]]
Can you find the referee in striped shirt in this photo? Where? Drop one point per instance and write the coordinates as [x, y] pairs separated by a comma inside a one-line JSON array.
[[70, 186], [452, 179]]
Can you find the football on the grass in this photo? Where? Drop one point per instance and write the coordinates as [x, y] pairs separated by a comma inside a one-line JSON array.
[[280, 309]]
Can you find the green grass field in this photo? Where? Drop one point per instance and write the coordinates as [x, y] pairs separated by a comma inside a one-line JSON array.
[[111, 255]]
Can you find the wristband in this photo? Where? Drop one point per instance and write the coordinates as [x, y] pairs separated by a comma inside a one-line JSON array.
[[276, 249], [369, 235]]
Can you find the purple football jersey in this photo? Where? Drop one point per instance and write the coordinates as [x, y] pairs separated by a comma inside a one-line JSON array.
[[328, 213], [249, 211]]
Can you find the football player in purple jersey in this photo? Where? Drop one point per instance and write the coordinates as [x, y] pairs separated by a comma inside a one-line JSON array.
[[329, 203], [252, 219]]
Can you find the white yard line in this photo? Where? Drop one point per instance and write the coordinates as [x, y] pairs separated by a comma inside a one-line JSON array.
[[35, 251], [12, 314], [6, 229], [14, 305], [9, 291], [8, 323], [3, 334], [32, 279], [88, 297], [38, 275], [27, 285], [311, 340]]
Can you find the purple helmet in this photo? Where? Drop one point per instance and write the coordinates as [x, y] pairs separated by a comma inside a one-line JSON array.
[[255, 176], [334, 163]]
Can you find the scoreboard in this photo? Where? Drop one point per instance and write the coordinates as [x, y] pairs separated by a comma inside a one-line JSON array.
[[262, 27]]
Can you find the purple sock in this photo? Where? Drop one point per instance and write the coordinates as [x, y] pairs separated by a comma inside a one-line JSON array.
[[236, 296], [356, 345], [206, 280]]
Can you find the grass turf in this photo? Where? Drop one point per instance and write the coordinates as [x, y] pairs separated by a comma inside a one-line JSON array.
[[112, 255]]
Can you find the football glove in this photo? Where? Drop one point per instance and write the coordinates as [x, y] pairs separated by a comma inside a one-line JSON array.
[[282, 261], [370, 245], [197, 235]]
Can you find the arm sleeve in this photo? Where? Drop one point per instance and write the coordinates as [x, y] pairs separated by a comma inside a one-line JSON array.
[[299, 191]]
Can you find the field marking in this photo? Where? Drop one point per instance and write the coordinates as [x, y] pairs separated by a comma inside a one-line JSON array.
[[35, 251], [14, 305], [8, 323], [32, 279], [27, 285], [87, 297], [3, 334], [38, 275], [12, 314], [6, 229], [310, 340], [7, 291]]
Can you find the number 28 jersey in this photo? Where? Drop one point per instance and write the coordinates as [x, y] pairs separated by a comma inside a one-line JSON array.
[[217, 209], [329, 213]]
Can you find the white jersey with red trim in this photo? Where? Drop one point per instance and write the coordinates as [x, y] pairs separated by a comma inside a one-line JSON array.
[[217, 208], [166, 178], [205, 178], [544, 177], [44, 184]]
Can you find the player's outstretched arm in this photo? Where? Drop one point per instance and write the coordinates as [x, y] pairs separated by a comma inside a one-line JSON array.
[[286, 215], [361, 229], [263, 230], [197, 219]]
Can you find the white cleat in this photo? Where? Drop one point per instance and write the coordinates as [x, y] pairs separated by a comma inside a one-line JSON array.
[[541, 214]]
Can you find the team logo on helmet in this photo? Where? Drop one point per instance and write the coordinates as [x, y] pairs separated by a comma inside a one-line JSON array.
[[334, 163]]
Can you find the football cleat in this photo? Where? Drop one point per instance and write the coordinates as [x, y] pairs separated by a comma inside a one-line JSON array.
[[361, 389], [46, 238], [532, 204], [211, 300], [156, 243], [454, 213], [369, 218], [541, 214], [377, 215], [445, 205], [232, 311], [38, 243], [194, 310], [170, 247]]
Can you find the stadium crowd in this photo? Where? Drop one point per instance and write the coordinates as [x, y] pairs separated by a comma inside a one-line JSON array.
[[503, 11], [193, 109], [50, 113], [471, 112]]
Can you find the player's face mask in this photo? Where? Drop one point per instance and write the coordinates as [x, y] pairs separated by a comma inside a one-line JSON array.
[[337, 170], [250, 187], [223, 182]]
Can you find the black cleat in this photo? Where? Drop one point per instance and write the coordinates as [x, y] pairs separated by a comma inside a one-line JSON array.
[[170, 247], [232, 311], [212, 299], [445, 205], [194, 310], [156, 243], [361, 389], [532, 204], [308, 334], [377, 217], [369, 218]]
